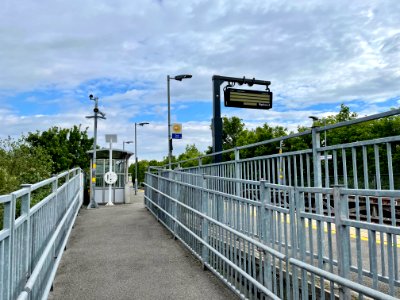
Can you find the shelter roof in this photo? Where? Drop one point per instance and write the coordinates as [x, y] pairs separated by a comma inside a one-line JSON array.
[[104, 153]]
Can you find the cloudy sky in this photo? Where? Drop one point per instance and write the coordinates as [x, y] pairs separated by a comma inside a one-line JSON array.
[[317, 54]]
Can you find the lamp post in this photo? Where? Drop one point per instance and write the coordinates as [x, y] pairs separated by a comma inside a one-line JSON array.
[[136, 158], [179, 78], [97, 115], [127, 142], [314, 118]]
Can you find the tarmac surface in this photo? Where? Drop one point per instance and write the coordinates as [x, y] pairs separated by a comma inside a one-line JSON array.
[[122, 252]]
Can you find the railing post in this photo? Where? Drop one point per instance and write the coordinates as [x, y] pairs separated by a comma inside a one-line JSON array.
[[293, 208], [316, 143], [265, 196], [54, 188], [319, 206], [204, 227], [81, 186], [8, 223], [25, 208], [148, 191], [263, 215], [173, 194], [342, 238], [238, 172], [158, 202], [200, 164], [301, 229], [67, 180]]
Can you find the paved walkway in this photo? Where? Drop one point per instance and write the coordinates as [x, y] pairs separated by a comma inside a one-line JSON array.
[[122, 252]]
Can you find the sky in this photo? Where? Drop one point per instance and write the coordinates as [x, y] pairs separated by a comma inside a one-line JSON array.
[[317, 55]]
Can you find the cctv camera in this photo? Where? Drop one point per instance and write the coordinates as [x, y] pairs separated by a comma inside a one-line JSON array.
[[91, 97]]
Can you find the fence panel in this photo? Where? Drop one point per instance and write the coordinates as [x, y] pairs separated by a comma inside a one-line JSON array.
[[34, 236], [319, 222]]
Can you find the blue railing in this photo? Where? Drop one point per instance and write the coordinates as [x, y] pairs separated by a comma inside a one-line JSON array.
[[33, 238]]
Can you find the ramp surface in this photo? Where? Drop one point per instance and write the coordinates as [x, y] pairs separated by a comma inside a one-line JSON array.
[[122, 252]]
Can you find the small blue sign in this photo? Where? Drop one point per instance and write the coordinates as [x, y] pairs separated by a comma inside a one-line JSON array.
[[177, 136]]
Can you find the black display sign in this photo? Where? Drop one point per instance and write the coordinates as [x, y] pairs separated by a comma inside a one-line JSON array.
[[248, 98]]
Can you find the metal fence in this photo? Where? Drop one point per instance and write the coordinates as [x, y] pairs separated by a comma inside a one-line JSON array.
[[316, 223], [33, 238]]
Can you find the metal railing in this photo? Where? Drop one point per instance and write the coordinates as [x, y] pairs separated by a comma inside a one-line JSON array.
[[33, 238], [316, 223]]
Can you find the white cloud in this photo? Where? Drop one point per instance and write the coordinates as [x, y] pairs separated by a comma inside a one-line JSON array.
[[316, 54]]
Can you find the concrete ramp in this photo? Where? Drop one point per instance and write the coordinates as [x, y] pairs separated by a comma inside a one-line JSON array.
[[122, 252]]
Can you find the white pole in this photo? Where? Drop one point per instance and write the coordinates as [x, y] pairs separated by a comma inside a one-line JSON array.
[[136, 166], [109, 203]]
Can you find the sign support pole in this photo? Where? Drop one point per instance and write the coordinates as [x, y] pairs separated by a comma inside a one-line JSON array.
[[216, 120], [110, 177], [109, 203]]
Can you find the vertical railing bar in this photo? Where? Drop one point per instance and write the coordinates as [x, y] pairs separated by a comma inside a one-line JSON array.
[[9, 214], [295, 171], [284, 171], [25, 209], [335, 168], [287, 238], [268, 225], [344, 166], [293, 207], [390, 263], [393, 210], [254, 273], [247, 252], [274, 162], [358, 231], [367, 203], [380, 206], [301, 224], [342, 238], [346, 185], [329, 225], [301, 170]]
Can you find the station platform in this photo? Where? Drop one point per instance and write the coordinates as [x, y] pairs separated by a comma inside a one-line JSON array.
[[122, 252]]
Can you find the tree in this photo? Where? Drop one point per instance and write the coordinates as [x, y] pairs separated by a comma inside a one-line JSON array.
[[20, 163], [260, 134], [143, 166], [190, 152], [232, 128], [66, 147]]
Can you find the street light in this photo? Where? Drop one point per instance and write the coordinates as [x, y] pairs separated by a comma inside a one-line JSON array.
[[97, 115], [314, 118], [179, 78], [136, 158], [127, 142]]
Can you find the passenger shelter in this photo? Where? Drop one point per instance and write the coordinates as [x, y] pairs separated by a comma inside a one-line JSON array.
[[122, 188]]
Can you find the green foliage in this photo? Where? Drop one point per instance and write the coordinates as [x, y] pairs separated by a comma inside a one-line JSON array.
[[260, 134], [190, 152], [20, 163], [143, 166], [235, 134], [34, 158], [67, 147], [343, 115], [232, 128]]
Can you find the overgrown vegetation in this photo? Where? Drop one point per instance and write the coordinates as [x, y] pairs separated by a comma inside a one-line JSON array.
[[235, 135], [39, 155], [66, 147]]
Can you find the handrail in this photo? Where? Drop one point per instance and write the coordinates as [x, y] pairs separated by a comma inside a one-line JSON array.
[[28, 242]]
